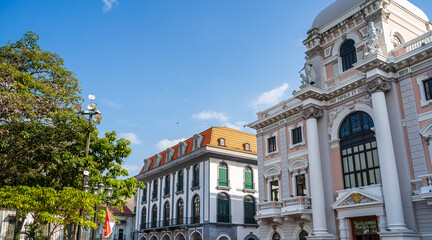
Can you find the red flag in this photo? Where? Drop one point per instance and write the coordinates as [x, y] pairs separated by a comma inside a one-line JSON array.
[[109, 223]]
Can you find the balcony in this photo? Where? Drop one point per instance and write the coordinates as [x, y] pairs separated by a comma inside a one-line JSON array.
[[223, 218], [424, 186], [270, 210], [413, 44], [296, 206]]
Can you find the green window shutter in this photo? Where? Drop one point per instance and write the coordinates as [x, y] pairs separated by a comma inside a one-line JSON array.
[[223, 177], [248, 180]]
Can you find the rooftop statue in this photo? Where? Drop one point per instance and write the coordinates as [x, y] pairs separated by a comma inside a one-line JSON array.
[[373, 46], [310, 76]]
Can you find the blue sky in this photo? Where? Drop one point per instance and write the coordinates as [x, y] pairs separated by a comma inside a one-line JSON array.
[[163, 70]]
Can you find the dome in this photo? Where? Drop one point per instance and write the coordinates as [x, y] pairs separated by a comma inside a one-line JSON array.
[[339, 7]]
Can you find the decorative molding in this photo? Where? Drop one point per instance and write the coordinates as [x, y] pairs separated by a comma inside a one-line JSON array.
[[312, 112], [377, 85]]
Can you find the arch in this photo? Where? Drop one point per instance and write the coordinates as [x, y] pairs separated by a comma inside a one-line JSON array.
[[248, 177], [166, 210], [426, 130], [180, 236], [195, 236], [251, 236], [350, 35], [348, 54], [224, 236], [249, 208], [143, 217], [167, 185], [398, 35], [166, 236], [153, 237], [142, 238], [223, 207], [195, 175], [298, 229], [273, 171], [276, 230], [223, 171], [344, 113], [180, 180], [154, 216], [297, 164]]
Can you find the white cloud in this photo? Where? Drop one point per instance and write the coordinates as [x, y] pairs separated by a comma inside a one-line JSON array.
[[237, 125], [211, 115], [166, 143], [108, 4], [131, 168], [131, 137], [271, 97], [112, 104]]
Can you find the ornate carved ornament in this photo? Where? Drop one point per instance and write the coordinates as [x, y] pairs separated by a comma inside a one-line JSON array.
[[312, 112], [312, 93], [356, 198], [377, 85]]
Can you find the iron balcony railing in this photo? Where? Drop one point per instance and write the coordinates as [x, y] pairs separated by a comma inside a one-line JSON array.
[[249, 185], [250, 220], [223, 182], [195, 183], [224, 218], [179, 187]]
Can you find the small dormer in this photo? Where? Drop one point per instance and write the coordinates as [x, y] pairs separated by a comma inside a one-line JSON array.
[[221, 142], [169, 154], [182, 148], [147, 163], [197, 141], [158, 159], [246, 146]]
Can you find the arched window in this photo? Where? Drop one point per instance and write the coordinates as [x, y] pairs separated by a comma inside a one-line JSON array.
[[248, 178], [196, 209], [155, 189], [180, 211], [303, 235], [167, 185], [144, 196], [154, 216], [360, 163], [195, 181], [348, 55], [223, 208], [223, 175], [180, 181], [249, 210], [143, 218], [166, 214], [276, 236]]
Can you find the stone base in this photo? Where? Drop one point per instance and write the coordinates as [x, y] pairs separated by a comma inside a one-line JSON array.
[[402, 235], [322, 237]]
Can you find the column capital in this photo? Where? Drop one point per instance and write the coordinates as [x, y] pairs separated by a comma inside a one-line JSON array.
[[312, 112], [377, 85]]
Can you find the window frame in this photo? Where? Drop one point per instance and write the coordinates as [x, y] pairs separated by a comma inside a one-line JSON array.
[[270, 190], [290, 131], [180, 211], [423, 95], [225, 203], [223, 182], [343, 57], [196, 176], [251, 178], [266, 139], [196, 209], [249, 218]]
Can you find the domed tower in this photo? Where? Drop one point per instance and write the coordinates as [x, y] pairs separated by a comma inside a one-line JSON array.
[[349, 155]]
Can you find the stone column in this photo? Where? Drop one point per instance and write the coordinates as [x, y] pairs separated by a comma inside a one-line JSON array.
[[389, 174], [343, 229], [311, 115]]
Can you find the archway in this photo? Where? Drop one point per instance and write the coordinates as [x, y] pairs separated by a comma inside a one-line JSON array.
[[196, 236]]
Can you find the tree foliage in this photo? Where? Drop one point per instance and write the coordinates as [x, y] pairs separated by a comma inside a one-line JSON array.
[[42, 139]]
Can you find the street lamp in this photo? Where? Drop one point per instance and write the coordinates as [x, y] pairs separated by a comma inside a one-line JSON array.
[[99, 189]]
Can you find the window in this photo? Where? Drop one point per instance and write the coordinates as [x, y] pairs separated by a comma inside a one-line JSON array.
[[360, 163], [155, 189], [196, 209], [297, 135], [274, 191], [223, 208], [271, 144], [144, 196], [303, 235], [180, 181], [195, 180], [428, 89], [221, 142], [223, 175], [348, 55], [10, 229], [166, 214], [197, 140], [180, 211], [154, 217], [143, 218], [396, 41], [301, 185], [276, 236], [249, 210], [246, 147], [248, 178], [167, 185]]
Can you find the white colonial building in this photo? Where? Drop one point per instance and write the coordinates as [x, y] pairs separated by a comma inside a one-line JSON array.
[[203, 188], [348, 156]]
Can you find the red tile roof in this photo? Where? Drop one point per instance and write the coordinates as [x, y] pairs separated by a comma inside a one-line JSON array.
[[126, 210], [234, 140]]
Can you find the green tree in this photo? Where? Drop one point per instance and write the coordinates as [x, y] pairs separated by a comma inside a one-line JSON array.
[[42, 139]]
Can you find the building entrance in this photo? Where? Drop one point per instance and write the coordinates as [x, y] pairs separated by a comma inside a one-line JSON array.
[[365, 228]]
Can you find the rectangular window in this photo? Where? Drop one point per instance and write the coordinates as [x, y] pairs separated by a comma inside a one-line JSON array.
[[271, 144], [274, 191], [428, 89], [301, 185], [10, 229], [248, 180], [297, 135]]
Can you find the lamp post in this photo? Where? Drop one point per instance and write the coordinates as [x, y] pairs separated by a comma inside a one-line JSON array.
[[93, 115], [99, 190]]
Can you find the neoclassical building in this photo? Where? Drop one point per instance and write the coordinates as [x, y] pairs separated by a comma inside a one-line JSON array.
[[203, 188], [348, 155]]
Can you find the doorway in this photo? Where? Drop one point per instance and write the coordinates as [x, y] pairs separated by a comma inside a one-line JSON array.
[[365, 228]]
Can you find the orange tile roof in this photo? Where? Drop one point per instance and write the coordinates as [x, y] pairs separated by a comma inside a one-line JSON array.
[[234, 140]]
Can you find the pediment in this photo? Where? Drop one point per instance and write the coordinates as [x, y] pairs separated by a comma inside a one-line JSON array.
[[272, 172], [357, 197]]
